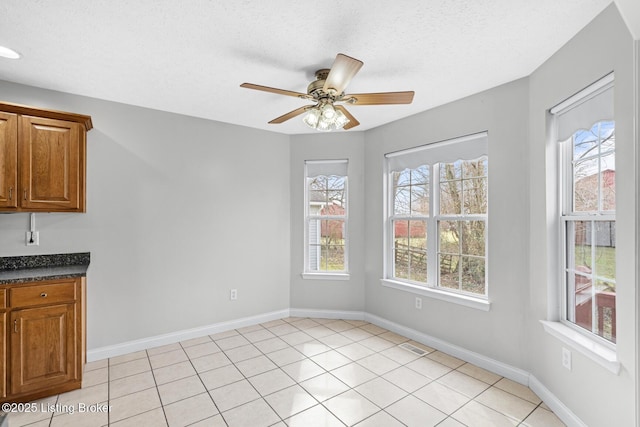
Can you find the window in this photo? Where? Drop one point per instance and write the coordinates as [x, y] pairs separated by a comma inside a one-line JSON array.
[[437, 216], [326, 217], [586, 134]]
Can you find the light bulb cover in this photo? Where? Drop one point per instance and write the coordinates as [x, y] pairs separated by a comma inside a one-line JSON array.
[[5, 52]]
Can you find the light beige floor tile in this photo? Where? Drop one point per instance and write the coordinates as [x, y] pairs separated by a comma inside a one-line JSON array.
[[463, 383], [407, 379], [353, 374], [238, 354], [210, 361], [39, 411], [294, 338], [380, 419], [428, 368], [339, 325], [324, 387], [303, 324], [272, 323], [127, 357], [350, 407], [203, 349], [168, 358], [393, 337], [355, 351], [356, 323], [223, 335], [303, 370], [542, 418], [319, 332], [445, 359], [271, 381], [519, 390], [451, 422], [256, 413], [173, 372], [311, 348], [153, 418], [506, 403], [336, 340], [322, 320], [232, 395], [134, 404], [373, 329], [477, 415], [180, 389], [89, 395], [317, 416], [400, 355], [544, 406], [189, 411], [251, 328], [98, 364], [441, 397], [283, 329], [378, 364], [231, 342], [331, 360], [381, 392], [285, 356], [79, 418], [220, 377], [270, 345], [415, 413], [356, 334], [255, 366], [259, 335], [164, 349], [215, 421], [95, 376], [195, 341], [376, 343], [479, 373], [290, 401], [129, 368], [131, 384]]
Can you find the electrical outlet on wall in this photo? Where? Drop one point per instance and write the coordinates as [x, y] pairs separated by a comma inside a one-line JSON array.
[[419, 303], [566, 358], [233, 294], [32, 238]]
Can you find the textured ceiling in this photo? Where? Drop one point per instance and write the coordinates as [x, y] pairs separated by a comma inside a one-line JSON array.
[[190, 56]]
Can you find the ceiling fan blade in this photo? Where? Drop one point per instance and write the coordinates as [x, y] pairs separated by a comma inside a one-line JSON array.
[[341, 73], [379, 98], [290, 115], [274, 90], [352, 120]]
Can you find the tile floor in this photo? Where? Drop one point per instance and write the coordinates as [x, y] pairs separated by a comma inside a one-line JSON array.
[[291, 372]]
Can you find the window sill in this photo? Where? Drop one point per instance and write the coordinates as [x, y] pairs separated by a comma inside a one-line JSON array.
[[597, 352], [465, 300], [326, 276]]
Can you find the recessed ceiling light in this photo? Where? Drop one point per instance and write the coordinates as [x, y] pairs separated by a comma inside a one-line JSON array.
[[5, 52]]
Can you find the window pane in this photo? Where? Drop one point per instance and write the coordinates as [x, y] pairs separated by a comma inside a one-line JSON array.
[[410, 250], [420, 200], [401, 249], [608, 182], [335, 257], [401, 201], [450, 198], [585, 179], [582, 301], [473, 275], [451, 171], [606, 312], [475, 168], [402, 178], [420, 175], [449, 274], [473, 238], [585, 144], [607, 136], [475, 196], [580, 239], [605, 249], [449, 234]]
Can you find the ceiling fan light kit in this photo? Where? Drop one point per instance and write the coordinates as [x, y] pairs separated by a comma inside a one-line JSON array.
[[327, 91]]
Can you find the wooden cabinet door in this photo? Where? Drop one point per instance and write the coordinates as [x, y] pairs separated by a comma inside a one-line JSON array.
[[8, 160], [52, 169], [3, 355], [43, 348]]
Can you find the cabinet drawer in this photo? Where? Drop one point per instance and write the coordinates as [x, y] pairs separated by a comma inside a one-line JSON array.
[[42, 294], [3, 303]]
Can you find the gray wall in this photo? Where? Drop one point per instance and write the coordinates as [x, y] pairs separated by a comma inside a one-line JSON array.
[[597, 396], [503, 112], [321, 293], [179, 211]]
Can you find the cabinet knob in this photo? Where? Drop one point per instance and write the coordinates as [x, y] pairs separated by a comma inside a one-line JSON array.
[[25, 194], [43, 295], [10, 193], [15, 325]]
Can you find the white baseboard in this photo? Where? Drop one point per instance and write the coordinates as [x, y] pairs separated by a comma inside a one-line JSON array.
[[500, 368], [173, 337], [559, 408]]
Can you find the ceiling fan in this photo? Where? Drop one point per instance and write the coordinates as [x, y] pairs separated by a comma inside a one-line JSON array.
[[327, 91]]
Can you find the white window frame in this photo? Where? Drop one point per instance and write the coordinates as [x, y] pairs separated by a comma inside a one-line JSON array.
[[326, 168], [470, 147], [597, 348]]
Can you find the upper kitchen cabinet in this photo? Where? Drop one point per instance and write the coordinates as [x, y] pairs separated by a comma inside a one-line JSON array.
[[42, 159]]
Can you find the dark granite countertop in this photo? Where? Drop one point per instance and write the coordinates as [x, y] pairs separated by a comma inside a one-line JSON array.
[[34, 268]]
